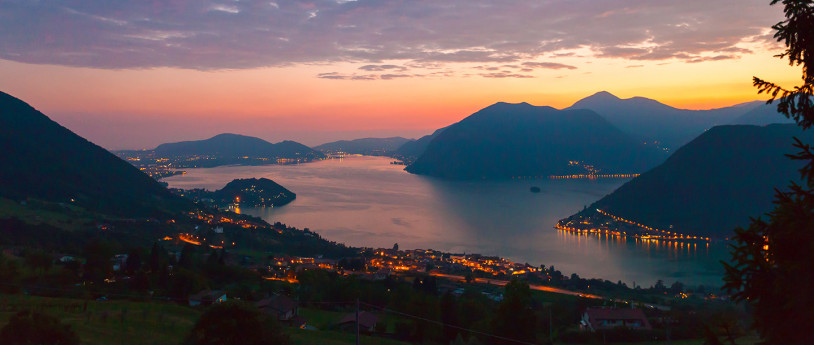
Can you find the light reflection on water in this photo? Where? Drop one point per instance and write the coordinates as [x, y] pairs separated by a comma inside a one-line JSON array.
[[365, 201]]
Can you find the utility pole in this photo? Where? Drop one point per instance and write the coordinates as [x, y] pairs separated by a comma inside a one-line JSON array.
[[550, 325], [357, 321]]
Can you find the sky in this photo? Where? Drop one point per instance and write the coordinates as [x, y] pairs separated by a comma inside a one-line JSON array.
[[134, 74]]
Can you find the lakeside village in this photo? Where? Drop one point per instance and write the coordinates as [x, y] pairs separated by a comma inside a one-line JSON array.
[[604, 223], [161, 167], [617, 304], [376, 264], [208, 256]]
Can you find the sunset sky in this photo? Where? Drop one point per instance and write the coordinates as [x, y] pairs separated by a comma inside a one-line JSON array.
[[134, 74]]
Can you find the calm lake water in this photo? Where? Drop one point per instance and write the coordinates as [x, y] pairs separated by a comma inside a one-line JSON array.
[[367, 202]]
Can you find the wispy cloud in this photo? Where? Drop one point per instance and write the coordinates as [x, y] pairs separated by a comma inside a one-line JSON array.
[[379, 68], [385, 76], [505, 75], [547, 65]]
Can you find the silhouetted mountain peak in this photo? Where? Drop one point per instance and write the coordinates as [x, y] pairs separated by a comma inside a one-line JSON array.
[[43, 160], [506, 105], [507, 140], [365, 146], [648, 101], [602, 96], [714, 183], [650, 120], [230, 136]]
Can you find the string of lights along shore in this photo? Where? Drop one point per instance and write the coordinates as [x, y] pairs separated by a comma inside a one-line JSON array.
[[655, 234]]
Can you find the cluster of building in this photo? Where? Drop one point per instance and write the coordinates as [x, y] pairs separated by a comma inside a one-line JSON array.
[[378, 264], [590, 176], [219, 219], [287, 311]]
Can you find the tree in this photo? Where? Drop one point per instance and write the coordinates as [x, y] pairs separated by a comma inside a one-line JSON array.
[[31, 327], [235, 323], [772, 260], [660, 287], [9, 275], [133, 262], [514, 317], [677, 287], [797, 33], [39, 261], [158, 258], [187, 259], [97, 260], [449, 317]]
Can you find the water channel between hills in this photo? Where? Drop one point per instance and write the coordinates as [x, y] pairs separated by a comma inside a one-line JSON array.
[[368, 202]]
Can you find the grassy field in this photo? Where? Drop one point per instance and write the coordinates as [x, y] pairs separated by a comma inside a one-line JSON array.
[[305, 337], [321, 319], [110, 322], [67, 217], [153, 323], [746, 340]]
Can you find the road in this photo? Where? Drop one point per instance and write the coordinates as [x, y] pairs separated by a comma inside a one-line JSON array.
[[504, 282]]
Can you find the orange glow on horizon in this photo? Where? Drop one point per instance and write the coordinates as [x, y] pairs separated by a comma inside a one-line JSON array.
[[294, 99]]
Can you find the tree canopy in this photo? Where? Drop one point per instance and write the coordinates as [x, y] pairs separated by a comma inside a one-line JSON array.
[[31, 327], [235, 323], [772, 260]]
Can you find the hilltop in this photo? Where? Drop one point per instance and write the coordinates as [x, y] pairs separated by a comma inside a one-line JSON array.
[[412, 149], [228, 145], [43, 160], [248, 192], [364, 146], [652, 121], [222, 149]]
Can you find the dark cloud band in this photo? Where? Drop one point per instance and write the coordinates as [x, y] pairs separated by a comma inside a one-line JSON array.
[[246, 34]]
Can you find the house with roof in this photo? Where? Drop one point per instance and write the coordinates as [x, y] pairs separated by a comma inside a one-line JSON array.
[[603, 318], [282, 307], [367, 322], [207, 297]]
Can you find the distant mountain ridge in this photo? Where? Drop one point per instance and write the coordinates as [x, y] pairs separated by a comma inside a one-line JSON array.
[[649, 120], [509, 140], [46, 161], [714, 183], [235, 145], [415, 148], [762, 115], [364, 146]]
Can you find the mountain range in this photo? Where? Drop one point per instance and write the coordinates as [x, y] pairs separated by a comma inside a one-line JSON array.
[[45, 161], [714, 183], [645, 120], [651, 121], [415, 148], [365, 146], [235, 145], [512, 140], [762, 115]]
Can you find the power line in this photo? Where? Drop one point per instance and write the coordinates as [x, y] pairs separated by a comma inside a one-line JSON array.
[[387, 310], [447, 325]]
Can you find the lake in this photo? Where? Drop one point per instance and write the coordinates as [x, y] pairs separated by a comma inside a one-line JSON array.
[[367, 202]]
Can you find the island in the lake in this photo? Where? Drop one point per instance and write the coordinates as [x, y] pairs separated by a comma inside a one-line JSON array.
[[250, 192]]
